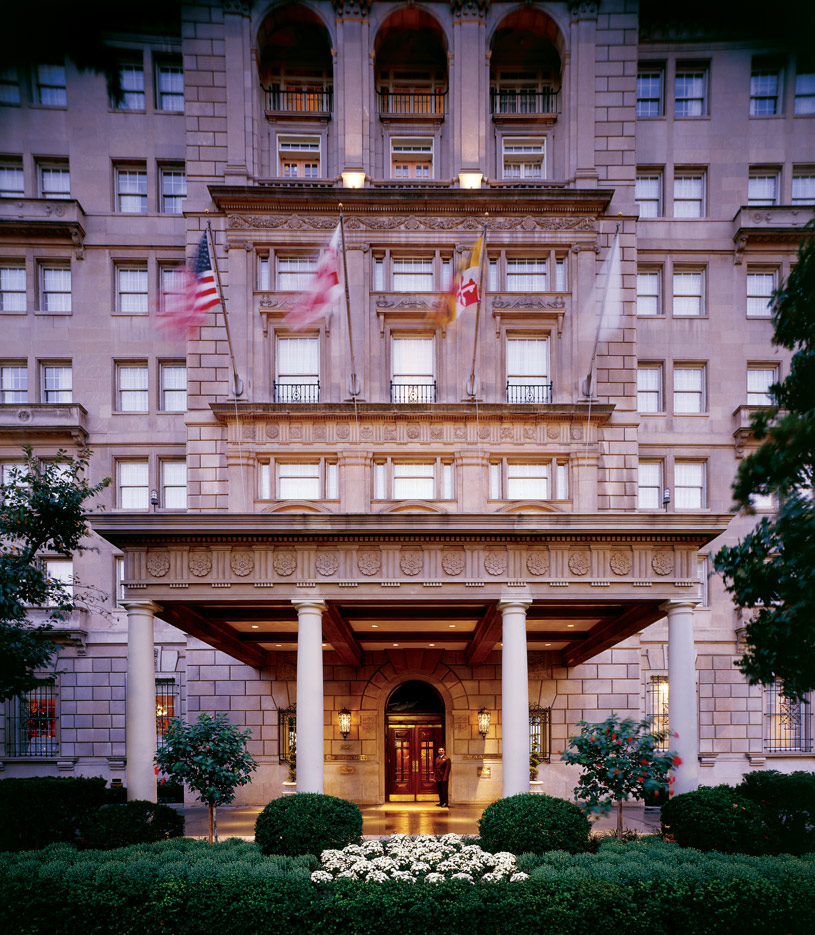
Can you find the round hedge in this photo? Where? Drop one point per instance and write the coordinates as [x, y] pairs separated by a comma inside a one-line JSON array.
[[307, 823], [135, 822], [718, 818], [533, 824]]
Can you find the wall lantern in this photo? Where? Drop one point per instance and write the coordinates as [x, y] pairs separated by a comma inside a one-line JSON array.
[[483, 722], [344, 721], [470, 178], [353, 178]]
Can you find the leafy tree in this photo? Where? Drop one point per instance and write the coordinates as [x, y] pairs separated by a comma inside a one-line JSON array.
[[210, 756], [42, 509], [620, 760], [772, 570]]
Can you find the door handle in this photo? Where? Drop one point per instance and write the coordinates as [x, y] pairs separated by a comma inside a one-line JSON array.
[[415, 766]]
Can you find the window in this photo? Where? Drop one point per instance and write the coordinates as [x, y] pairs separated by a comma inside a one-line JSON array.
[[131, 82], [689, 485], [690, 99], [523, 158], [131, 388], [687, 297], [414, 481], [413, 274], [55, 180], [527, 481], [759, 380], [57, 381], [764, 87], [131, 190], [173, 387], [760, 289], [166, 707], [411, 159], [649, 485], [55, 286], [803, 189], [689, 194], [174, 485], [649, 302], [51, 88], [299, 156], [649, 91], [648, 194], [132, 485], [295, 273], [173, 190], [61, 571], [12, 180], [12, 289], [762, 187], [804, 93], [173, 279], [298, 481], [298, 370], [689, 388], [9, 86], [526, 275], [31, 728], [703, 565], [656, 708], [119, 575], [131, 290], [528, 370], [649, 388], [540, 732], [286, 731], [788, 723], [560, 274], [13, 383], [413, 370], [170, 87]]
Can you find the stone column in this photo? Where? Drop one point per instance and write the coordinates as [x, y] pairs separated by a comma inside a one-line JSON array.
[[310, 729], [682, 703], [514, 697], [140, 701]]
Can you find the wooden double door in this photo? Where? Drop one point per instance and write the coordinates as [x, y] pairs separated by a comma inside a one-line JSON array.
[[412, 746]]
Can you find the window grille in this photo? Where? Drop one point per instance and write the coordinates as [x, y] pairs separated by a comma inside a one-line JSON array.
[[788, 723], [167, 707], [656, 707], [32, 723], [540, 732]]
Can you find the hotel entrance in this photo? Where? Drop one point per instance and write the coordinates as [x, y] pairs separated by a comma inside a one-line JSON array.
[[414, 721]]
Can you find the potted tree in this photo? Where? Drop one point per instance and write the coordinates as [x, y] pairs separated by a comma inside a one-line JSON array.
[[290, 784], [534, 762]]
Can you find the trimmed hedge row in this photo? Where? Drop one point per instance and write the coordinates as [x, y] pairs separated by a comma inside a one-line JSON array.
[[186, 887]]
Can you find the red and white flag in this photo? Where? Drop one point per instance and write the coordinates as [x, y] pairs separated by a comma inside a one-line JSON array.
[[469, 282], [323, 293], [185, 307]]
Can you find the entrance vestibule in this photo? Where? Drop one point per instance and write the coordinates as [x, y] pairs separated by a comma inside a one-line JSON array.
[[414, 723]]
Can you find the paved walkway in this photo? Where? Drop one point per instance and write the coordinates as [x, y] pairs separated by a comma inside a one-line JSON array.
[[396, 817]]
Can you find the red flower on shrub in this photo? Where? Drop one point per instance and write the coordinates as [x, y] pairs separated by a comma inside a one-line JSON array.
[[677, 761], [671, 791]]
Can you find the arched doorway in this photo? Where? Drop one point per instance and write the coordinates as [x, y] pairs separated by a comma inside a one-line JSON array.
[[414, 725]]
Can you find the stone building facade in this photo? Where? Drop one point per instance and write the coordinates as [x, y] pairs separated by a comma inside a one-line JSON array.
[[470, 534]]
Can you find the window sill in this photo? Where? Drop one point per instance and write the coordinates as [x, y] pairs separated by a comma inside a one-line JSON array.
[[41, 311]]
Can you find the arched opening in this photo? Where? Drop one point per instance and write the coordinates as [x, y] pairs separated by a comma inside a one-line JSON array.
[[414, 725]]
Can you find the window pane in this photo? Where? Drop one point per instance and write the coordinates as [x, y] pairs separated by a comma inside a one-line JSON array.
[[298, 481], [11, 181], [56, 289], [803, 189], [12, 289], [526, 275], [413, 360], [688, 389], [174, 485], [131, 77], [649, 484], [133, 389], [527, 361], [174, 387], [171, 88], [412, 275], [649, 389], [688, 196], [804, 93], [647, 190], [648, 293], [133, 291], [759, 380], [57, 384], [173, 190], [132, 191], [56, 183], [762, 189], [687, 294], [689, 484], [133, 492], [760, 288], [13, 384], [414, 482], [298, 360], [295, 273], [32, 724], [527, 482]]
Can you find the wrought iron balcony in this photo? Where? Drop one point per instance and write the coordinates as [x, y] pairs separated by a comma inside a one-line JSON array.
[[413, 103], [541, 393], [297, 392], [413, 392], [523, 102], [308, 101]]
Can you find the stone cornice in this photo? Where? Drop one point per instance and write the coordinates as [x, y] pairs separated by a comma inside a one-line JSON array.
[[228, 413]]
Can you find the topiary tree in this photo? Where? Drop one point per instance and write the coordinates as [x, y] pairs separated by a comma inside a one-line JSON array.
[[210, 756], [307, 823], [533, 824], [620, 760]]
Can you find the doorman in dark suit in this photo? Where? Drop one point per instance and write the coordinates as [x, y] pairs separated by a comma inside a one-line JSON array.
[[442, 768]]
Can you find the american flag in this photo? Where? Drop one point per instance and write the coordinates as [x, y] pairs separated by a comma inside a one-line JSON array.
[[322, 295], [185, 307]]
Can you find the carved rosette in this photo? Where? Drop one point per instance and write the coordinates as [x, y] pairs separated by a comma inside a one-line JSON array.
[[495, 563], [327, 563], [579, 563], [200, 563], [537, 563], [552, 431], [158, 564], [453, 562], [343, 430], [369, 562], [242, 563], [663, 563], [620, 563], [411, 562], [272, 430], [412, 432], [284, 562]]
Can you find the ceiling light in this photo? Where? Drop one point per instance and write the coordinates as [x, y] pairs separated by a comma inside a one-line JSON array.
[[431, 644], [278, 644], [255, 626], [395, 644], [452, 626], [470, 178], [569, 625], [547, 644], [353, 178], [375, 626]]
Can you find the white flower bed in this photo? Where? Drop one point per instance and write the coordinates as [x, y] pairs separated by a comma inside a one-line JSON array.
[[421, 859]]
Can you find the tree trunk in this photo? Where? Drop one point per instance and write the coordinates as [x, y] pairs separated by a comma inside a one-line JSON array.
[[211, 822], [620, 820]]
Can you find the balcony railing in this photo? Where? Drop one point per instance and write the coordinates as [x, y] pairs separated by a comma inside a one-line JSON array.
[[542, 393], [413, 103], [309, 101], [413, 392], [297, 392], [523, 102]]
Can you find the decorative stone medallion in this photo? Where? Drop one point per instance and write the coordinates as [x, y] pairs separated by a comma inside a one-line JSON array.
[[453, 562], [343, 430], [620, 563], [529, 432], [158, 564], [579, 563], [284, 562], [460, 432], [484, 431], [367, 432], [242, 563], [576, 432], [296, 432], [537, 563], [200, 563], [507, 432], [663, 563], [412, 432], [389, 432], [552, 431], [327, 563], [437, 432], [272, 430], [318, 432], [495, 563], [369, 562], [411, 562]]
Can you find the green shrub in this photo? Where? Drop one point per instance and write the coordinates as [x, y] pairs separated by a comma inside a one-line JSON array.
[[307, 823], [718, 819], [534, 824], [135, 822], [787, 801], [42, 809]]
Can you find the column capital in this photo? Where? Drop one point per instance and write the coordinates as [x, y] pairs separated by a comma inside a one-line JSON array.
[[143, 606], [504, 603], [684, 603], [301, 603]]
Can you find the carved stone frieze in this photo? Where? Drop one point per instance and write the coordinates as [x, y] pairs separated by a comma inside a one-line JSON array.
[[200, 563], [327, 563], [575, 432], [663, 563], [283, 302], [158, 564], [530, 302], [452, 561], [437, 432], [579, 563], [411, 562], [552, 431], [369, 561], [583, 9], [413, 432], [620, 563], [389, 432], [242, 563], [343, 430], [284, 562], [410, 301], [537, 563], [272, 430], [408, 222], [495, 563], [352, 7]]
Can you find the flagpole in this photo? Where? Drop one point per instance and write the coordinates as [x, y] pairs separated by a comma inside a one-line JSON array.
[[354, 385], [470, 388], [237, 384]]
